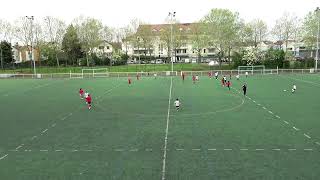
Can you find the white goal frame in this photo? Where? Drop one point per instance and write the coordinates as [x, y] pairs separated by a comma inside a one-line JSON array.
[[94, 73], [251, 69]]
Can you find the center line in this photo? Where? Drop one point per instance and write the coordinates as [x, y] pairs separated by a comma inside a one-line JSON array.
[[212, 149], [286, 122], [166, 136], [264, 107], [270, 112]]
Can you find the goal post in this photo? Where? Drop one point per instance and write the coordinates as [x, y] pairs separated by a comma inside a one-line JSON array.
[[260, 69], [94, 73]]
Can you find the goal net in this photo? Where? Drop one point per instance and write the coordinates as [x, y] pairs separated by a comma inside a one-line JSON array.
[[95, 73], [251, 69]]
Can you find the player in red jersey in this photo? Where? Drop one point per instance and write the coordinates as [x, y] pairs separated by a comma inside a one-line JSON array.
[[129, 80], [222, 82], [228, 84], [194, 79], [81, 92], [210, 75], [88, 100]]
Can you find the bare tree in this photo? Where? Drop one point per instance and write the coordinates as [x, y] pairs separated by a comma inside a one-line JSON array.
[[55, 29], [286, 28]]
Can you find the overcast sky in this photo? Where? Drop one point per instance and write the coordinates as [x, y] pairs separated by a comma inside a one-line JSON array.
[[118, 13]]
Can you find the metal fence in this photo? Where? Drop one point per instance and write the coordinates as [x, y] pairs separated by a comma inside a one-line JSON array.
[[152, 74]]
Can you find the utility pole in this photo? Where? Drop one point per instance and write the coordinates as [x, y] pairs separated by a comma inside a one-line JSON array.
[[317, 52], [31, 18], [171, 15]]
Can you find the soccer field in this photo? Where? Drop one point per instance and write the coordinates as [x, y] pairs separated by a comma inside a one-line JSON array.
[[135, 132]]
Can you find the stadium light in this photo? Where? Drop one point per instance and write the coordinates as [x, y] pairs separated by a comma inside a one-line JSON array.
[[172, 15], [317, 11], [31, 18]]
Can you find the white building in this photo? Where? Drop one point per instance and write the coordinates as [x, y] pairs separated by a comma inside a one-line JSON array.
[[105, 49], [160, 34]]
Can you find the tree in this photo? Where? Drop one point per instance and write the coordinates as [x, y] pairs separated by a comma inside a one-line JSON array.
[[286, 28], [71, 45], [251, 56], [198, 38], [89, 31], [310, 28], [222, 27], [23, 32], [257, 31], [6, 53], [55, 29], [147, 38]]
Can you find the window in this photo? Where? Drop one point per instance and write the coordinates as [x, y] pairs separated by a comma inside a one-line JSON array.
[[108, 47], [184, 51], [302, 48], [101, 47], [204, 50]]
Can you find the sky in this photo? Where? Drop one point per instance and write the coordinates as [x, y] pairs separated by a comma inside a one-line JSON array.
[[118, 13]]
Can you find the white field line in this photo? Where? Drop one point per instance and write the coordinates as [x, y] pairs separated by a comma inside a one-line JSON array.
[[212, 149], [4, 156], [133, 150], [306, 135], [276, 149], [195, 149], [270, 112], [292, 149], [149, 150], [34, 137], [308, 149], [180, 149], [317, 143], [53, 125], [44, 150], [166, 136], [309, 82], [296, 128], [44, 131], [19, 146], [259, 149], [244, 149], [227, 149], [278, 116], [264, 108], [286, 122]]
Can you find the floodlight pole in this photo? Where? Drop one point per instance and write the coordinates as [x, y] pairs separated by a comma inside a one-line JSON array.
[[317, 52], [31, 18], [171, 15]]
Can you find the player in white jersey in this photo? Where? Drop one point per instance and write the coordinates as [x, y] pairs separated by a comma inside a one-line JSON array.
[[216, 74], [247, 74], [177, 104], [238, 77], [294, 88], [197, 78]]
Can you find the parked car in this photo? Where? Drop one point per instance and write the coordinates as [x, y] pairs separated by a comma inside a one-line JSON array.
[[159, 61]]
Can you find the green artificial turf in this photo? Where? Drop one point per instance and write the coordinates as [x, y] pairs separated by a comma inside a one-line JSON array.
[[46, 131]]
